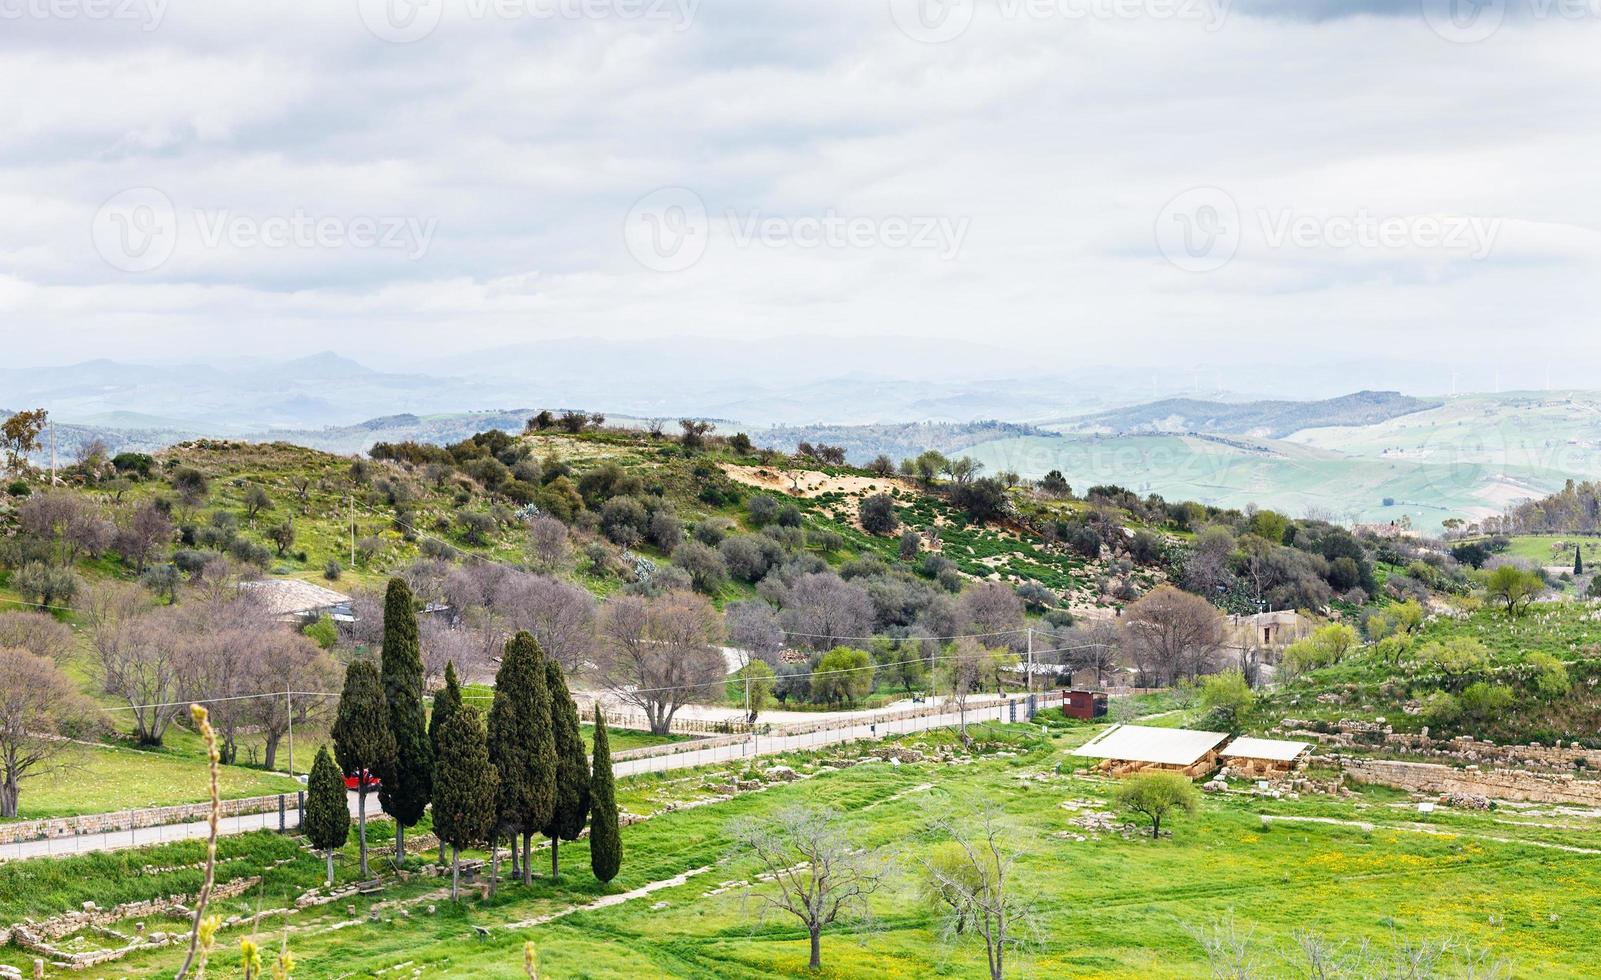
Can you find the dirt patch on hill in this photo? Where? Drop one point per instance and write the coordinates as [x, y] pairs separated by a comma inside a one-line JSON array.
[[807, 483]]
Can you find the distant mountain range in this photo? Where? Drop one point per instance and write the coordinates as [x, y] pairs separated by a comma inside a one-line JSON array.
[[1260, 419]]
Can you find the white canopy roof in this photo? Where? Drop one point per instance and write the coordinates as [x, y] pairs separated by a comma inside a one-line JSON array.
[[1160, 746], [1275, 749]]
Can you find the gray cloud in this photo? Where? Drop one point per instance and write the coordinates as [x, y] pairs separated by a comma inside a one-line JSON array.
[[1057, 137]]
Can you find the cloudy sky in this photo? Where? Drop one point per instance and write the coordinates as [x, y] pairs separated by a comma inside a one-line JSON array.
[[1159, 182]]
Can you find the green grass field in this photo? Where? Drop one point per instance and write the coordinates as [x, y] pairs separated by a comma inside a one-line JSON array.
[[1554, 549], [1365, 868], [104, 779], [1426, 486]]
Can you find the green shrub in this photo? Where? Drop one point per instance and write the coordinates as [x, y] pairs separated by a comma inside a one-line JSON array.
[[1551, 677]]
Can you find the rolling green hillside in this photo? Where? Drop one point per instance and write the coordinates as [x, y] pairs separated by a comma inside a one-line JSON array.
[[1470, 457]]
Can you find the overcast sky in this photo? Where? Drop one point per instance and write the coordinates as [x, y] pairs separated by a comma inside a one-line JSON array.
[[1093, 181]]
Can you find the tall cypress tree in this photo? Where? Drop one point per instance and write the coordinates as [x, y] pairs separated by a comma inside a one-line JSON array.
[[446, 703], [605, 840], [408, 783], [511, 738], [1578, 561], [542, 758], [363, 743], [465, 792], [571, 809], [326, 821]]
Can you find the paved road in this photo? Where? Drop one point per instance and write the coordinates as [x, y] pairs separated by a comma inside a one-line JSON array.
[[145, 836], [870, 726]]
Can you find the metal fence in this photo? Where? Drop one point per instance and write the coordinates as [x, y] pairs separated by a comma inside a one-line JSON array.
[[685, 755]]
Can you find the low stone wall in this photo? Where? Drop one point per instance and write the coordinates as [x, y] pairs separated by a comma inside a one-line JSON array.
[[1463, 748], [125, 820], [1501, 784], [39, 937]]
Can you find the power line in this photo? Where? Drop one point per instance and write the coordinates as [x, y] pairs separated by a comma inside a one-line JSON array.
[[636, 690], [35, 605]]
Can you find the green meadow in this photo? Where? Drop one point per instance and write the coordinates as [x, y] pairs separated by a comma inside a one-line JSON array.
[[1513, 886]]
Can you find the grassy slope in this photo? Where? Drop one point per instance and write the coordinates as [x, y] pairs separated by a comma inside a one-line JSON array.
[[106, 778], [1465, 458], [1106, 907], [1286, 476], [1365, 688]]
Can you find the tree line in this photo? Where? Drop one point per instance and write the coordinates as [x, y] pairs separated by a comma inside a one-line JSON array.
[[519, 773]]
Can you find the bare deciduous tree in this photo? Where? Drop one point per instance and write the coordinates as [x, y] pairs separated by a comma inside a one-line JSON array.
[[822, 610], [1172, 634], [38, 705], [549, 546], [991, 607], [661, 654], [753, 628], [38, 633], [1094, 647], [963, 673], [141, 533], [140, 657], [982, 891], [561, 616], [819, 877], [443, 643]]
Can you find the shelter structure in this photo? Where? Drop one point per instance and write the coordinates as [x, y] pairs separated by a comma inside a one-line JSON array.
[[1127, 749], [1262, 758]]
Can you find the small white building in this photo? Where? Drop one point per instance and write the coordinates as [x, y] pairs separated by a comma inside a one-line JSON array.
[[292, 600]]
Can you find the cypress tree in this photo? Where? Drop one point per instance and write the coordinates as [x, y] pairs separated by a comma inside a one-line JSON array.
[[542, 758], [1578, 561], [446, 703], [363, 743], [326, 821], [408, 782], [571, 808], [511, 738], [605, 842], [465, 791]]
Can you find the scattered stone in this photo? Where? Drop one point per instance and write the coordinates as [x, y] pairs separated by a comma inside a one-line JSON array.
[[1466, 801], [658, 906]]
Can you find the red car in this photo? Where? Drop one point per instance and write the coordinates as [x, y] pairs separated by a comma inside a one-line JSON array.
[[371, 780]]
